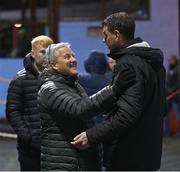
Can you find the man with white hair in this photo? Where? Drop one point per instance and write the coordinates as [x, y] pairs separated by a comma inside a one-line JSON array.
[[65, 110]]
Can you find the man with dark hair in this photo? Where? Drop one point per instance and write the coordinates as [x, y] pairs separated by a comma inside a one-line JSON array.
[[132, 132]]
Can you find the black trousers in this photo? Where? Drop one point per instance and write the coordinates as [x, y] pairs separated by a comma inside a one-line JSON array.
[[29, 162]]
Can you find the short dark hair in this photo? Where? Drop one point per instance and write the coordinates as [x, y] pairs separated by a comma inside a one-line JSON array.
[[122, 22]]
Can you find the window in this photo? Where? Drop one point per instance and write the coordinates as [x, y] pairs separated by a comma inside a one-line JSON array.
[[99, 9]]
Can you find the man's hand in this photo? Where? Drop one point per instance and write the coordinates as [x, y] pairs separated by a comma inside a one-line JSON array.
[[81, 141]]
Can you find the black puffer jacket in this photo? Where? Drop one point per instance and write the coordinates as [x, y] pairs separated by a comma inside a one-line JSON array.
[[132, 133], [21, 108], [64, 108]]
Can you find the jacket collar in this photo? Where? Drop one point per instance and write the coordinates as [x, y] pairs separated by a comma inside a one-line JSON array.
[[29, 64], [126, 45], [57, 77]]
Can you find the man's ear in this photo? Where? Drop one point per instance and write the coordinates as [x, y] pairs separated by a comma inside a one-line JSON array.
[[54, 66], [119, 37], [32, 54], [117, 34]]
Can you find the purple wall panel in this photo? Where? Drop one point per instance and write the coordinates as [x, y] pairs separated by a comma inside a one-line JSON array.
[[162, 30]]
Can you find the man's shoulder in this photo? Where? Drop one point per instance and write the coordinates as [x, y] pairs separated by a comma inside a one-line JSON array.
[[130, 59], [21, 73], [49, 85]]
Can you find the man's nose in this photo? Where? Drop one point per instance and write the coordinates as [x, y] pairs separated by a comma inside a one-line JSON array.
[[103, 40], [73, 58]]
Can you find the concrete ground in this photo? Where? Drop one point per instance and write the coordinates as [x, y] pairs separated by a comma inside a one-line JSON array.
[[8, 155], [171, 153], [170, 157]]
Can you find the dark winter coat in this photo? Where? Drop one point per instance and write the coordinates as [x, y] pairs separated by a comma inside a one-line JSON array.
[[132, 133], [21, 108], [64, 108]]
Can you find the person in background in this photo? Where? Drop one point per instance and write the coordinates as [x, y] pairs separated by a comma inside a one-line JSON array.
[[172, 86], [132, 133], [23, 44], [21, 107], [66, 110], [96, 67]]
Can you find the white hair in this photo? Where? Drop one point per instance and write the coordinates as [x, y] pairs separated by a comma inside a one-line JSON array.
[[52, 51]]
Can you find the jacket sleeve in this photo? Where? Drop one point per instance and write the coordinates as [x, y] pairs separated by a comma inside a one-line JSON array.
[[14, 109], [62, 101], [127, 113]]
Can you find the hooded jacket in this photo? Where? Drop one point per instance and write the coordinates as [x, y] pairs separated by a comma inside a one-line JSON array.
[[132, 133], [21, 108], [64, 109]]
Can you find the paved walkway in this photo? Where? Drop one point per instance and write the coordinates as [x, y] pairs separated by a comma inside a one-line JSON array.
[[171, 154], [170, 157], [8, 155]]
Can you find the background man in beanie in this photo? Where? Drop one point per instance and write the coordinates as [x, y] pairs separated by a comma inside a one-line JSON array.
[[96, 66], [21, 107], [132, 133]]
